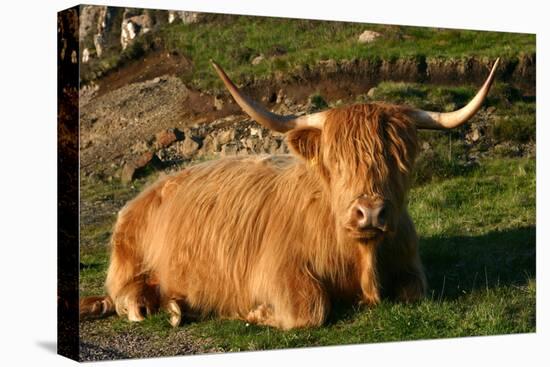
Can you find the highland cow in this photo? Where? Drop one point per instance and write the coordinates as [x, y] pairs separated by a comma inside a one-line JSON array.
[[275, 240]]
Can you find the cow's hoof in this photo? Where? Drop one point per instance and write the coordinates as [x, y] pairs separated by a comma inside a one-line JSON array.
[[174, 311], [135, 314]]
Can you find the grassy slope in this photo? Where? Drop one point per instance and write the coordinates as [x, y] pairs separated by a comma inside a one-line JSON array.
[[236, 41], [478, 246], [290, 43]]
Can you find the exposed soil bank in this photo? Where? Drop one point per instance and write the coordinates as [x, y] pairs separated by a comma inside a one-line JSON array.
[[345, 79]]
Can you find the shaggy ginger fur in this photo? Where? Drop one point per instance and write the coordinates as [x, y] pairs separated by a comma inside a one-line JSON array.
[[267, 239]]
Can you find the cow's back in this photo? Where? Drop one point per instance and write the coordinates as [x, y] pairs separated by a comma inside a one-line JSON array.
[[213, 239]]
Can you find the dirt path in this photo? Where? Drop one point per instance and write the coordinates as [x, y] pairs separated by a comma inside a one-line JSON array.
[[100, 341]]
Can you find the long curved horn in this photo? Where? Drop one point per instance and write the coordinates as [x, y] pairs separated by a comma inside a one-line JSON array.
[[450, 120], [264, 117]]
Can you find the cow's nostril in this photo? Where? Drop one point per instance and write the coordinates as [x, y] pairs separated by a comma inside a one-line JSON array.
[[369, 215], [361, 216]]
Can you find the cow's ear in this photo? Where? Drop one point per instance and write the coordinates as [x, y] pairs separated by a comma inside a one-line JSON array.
[[305, 142]]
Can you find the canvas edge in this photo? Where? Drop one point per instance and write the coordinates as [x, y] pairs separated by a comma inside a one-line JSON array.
[[68, 182]]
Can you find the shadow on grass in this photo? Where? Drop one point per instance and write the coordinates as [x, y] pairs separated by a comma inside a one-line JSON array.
[[458, 265], [461, 264]]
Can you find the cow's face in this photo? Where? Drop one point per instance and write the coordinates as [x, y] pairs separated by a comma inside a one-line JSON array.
[[364, 155]]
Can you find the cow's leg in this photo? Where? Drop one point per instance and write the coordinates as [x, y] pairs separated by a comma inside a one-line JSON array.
[[137, 299], [404, 278], [297, 301], [369, 275], [409, 285], [132, 290], [262, 315]]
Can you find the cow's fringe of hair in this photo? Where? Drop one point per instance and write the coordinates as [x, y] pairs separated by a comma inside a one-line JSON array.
[[380, 135]]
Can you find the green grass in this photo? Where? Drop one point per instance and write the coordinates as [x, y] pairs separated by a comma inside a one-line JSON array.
[[96, 227], [497, 311], [289, 44], [294, 44], [502, 96], [516, 123], [424, 96], [477, 242]]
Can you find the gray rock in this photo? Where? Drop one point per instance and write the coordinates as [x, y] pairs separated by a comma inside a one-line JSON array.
[[88, 16], [95, 23], [98, 44], [258, 59], [230, 149], [225, 136], [253, 144], [166, 137], [132, 168], [474, 135], [133, 27], [128, 173], [368, 36], [256, 131], [85, 56], [145, 159], [218, 103], [188, 147], [186, 17], [371, 92], [209, 144]]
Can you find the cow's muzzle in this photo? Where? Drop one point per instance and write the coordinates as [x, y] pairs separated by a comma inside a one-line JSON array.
[[368, 218]]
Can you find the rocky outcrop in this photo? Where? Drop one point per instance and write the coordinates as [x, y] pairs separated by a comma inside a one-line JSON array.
[[132, 170], [186, 17], [229, 136], [134, 26], [95, 24], [104, 27], [89, 19], [104, 24]]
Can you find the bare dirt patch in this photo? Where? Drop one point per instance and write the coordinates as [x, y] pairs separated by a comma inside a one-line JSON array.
[[152, 65], [98, 341]]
